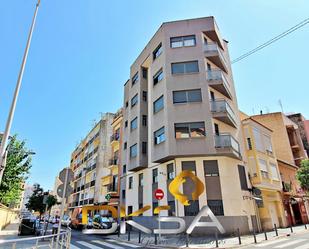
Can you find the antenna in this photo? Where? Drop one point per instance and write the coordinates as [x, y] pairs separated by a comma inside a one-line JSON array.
[[281, 106]]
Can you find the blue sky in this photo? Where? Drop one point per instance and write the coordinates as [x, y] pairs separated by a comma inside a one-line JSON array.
[[82, 50]]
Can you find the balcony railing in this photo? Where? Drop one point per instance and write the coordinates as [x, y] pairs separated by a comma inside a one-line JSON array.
[[113, 161], [227, 141], [214, 48], [222, 106], [115, 137], [218, 81], [111, 188]]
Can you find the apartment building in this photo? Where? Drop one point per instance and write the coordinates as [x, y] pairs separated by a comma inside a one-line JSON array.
[[110, 183], [180, 113], [89, 162], [303, 126], [264, 173], [290, 151]]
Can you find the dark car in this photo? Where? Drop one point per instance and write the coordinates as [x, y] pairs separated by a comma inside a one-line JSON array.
[[29, 226], [100, 222]]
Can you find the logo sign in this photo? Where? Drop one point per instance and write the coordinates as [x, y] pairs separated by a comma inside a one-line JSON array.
[[108, 197], [159, 194]]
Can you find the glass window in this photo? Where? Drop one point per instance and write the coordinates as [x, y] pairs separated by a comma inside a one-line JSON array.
[[187, 96], [170, 172], [134, 79], [242, 177], [158, 77], [185, 67], [158, 104], [216, 206], [258, 140], [134, 124], [144, 95], [159, 136], [133, 151], [130, 182], [144, 147], [179, 97], [125, 145], [140, 180], [144, 72], [157, 51], [144, 120], [124, 169], [154, 175], [194, 95], [189, 41], [263, 168], [183, 41], [134, 100], [267, 143], [186, 130], [274, 171], [126, 123], [176, 42]]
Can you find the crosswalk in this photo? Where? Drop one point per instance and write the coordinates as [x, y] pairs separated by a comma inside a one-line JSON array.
[[285, 244], [99, 244]]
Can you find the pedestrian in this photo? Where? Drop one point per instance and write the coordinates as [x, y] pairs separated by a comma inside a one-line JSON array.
[[55, 225]]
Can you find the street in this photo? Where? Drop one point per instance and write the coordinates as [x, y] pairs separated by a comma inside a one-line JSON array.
[[296, 241]]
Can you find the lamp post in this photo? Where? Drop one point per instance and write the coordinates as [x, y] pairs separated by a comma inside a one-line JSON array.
[[16, 92]]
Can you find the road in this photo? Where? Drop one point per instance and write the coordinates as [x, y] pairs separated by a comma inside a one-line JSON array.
[[83, 241], [296, 241]]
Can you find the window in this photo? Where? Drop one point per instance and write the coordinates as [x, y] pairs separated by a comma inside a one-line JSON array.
[[133, 151], [126, 123], [158, 77], [125, 145], [156, 53], [267, 143], [134, 124], [144, 120], [170, 172], [140, 180], [258, 140], [134, 79], [171, 211], [134, 100], [154, 176], [274, 171], [158, 104], [211, 168], [130, 182], [123, 194], [144, 95], [144, 72], [159, 136], [185, 67], [263, 168], [127, 104], [183, 41], [144, 147], [216, 206], [124, 169], [186, 130], [242, 177], [187, 96], [193, 209], [249, 143]]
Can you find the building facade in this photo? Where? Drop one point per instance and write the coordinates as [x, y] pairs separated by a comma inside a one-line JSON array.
[[290, 152], [264, 173], [180, 113], [89, 162]]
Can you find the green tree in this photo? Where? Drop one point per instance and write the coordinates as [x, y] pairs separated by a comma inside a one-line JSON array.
[[303, 175], [18, 164], [50, 202], [35, 202]]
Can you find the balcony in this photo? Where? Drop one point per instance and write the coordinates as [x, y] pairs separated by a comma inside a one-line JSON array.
[[111, 189], [115, 137], [227, 145], [223, 112], [217, 80], [113, 161], [214, 54]]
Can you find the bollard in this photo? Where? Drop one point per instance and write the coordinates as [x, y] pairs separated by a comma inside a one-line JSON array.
[[156, 241], [254, 236], [129, 233], [216, 235], [238, 234], [265, 234], [139, 236], [305, 226], [187, 240], [291, 229], [118, 231], [276, 229]]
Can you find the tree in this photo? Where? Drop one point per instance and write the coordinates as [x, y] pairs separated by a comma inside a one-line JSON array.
[[50, 202], [18, 164], [303, 174], [35, 202]]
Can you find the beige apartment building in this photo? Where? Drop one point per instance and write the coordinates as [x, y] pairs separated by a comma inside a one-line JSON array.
[[89, 162], [180, 113]]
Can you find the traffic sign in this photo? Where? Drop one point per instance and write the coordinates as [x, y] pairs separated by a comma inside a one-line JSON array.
[[159, 194], [60, 190], [62, 175]]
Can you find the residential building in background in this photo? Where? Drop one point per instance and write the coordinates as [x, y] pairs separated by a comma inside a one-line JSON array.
[[263, 173], [303, 126], [289, 151], [110, 183], [89, 162], [28, 191], [55, 210], [180, 113]]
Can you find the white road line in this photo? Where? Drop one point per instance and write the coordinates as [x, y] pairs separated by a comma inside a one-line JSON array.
[[107, 244], [73, 247], [123, 243], [271, 242], [291, 243], [84, 243], [306, 246]]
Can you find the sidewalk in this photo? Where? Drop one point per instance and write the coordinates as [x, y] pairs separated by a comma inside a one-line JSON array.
[[179, 241], [10, 231]]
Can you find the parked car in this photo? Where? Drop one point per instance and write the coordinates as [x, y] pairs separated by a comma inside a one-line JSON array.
[[100, 222], [30, 226], [66, 221], [76, 222]]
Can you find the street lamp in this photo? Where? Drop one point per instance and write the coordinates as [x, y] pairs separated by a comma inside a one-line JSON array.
[[13, 105]]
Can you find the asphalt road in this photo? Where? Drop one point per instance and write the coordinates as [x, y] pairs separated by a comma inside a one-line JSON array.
[[85, 241], [296, 241]]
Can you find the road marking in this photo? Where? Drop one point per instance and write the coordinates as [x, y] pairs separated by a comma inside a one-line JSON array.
[[107, 244], [290, 243], [271, 242], [73, 247], [84, 243], [306, 246], [123, 243]]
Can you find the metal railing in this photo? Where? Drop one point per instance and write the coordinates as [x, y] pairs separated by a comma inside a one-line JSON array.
[[113, 161], [115, 137], [217, 75], [213, 47], [47, 241], [222, 106], [226, 141]]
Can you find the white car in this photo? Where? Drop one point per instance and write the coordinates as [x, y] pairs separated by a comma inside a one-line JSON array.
[[66, 221]]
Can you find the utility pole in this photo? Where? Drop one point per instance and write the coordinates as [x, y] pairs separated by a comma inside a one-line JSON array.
[[16, 93]]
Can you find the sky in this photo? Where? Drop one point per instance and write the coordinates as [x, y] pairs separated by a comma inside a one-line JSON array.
[[82, 50]]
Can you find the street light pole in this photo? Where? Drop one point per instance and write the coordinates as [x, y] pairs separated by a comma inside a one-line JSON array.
[[13, 105]]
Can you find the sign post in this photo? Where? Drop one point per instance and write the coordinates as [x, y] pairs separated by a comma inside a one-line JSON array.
[[159, 194]]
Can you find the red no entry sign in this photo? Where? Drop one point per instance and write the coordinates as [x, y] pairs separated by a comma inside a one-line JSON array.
[[159, 194]]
